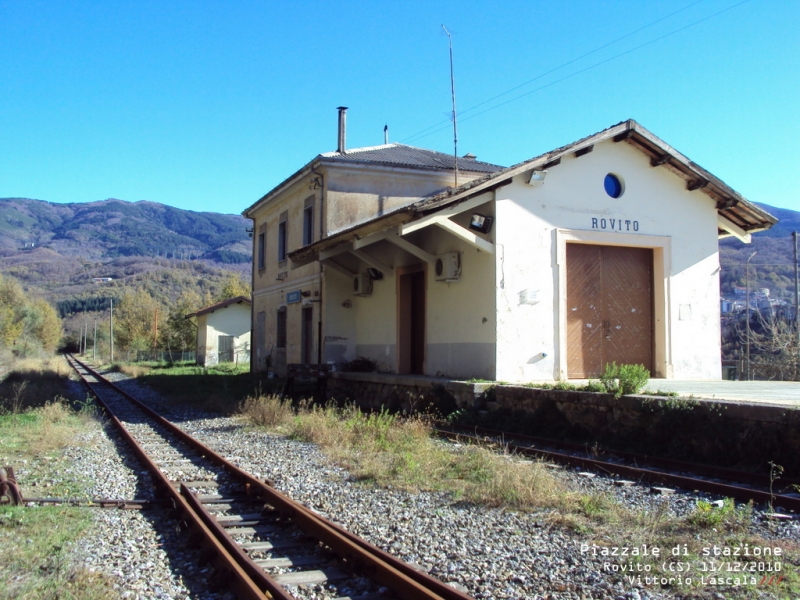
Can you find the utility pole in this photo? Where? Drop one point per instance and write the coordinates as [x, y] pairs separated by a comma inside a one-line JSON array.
[[747, 313], [94, 342], [796, 297], [453, 94], [111, 330], [155, 335]]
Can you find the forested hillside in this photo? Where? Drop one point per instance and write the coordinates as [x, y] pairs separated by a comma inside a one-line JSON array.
[[99, 231], [80, 256], [57, 250], [772, 266]]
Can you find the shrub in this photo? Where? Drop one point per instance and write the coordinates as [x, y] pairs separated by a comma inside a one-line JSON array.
[[361, 364], [267, 411], [725, 514], [622, 380]]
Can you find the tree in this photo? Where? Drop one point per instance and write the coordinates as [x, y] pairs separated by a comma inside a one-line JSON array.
[[233, 285], [44, 324], [134, 321], [25, 322], [12, 302], [181, 333]]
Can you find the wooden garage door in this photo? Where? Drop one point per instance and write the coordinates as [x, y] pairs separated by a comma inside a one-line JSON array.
[[609, 308]]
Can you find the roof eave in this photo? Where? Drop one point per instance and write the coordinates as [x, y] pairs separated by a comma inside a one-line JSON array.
[[288, 182], [730, 204]]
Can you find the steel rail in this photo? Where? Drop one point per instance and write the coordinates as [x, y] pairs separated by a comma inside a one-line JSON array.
[[96, 503], [642, 474], [244, 586], [360, 555], [706, 470]]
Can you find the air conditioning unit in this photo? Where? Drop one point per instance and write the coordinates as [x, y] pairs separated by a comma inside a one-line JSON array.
[[448, 267], [362, 284]]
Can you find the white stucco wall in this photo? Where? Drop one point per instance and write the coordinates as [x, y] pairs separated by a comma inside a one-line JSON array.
[[231, 320], [459, 316], [534, 223]]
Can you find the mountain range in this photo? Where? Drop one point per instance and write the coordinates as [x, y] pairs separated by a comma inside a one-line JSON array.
[[57, 250], [772, 266]]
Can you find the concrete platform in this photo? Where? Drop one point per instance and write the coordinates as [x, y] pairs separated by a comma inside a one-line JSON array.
[[784, 393], [781, 393]]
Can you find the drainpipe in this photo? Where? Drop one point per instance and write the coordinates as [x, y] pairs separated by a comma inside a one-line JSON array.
[[319, 265], [253, 334]]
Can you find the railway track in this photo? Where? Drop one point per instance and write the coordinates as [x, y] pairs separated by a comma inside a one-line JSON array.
[[743, 486], [262, 543]]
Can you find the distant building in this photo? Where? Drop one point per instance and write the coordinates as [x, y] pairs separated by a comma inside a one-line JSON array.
[[102, 279], [223, 332]]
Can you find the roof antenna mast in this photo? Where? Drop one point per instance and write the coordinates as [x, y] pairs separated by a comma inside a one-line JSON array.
[[453, 94]]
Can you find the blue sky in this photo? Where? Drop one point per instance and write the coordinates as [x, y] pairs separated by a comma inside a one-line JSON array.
[[206, 105]]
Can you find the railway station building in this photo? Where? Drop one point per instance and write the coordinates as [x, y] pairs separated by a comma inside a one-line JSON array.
[[602, 250]]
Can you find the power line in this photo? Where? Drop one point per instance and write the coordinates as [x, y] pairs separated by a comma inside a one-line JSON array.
[[566, 64], [437, 128]]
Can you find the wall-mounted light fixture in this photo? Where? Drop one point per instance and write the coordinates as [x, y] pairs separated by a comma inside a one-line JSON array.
[[481, 223], [537, 178], [347, 304]]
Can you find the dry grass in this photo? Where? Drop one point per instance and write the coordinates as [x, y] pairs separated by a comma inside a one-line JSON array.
[[267, 411], [35, 543], [38, 433], [35, 560], [58, 426], [33, 382], [132, 369], [402, 452]]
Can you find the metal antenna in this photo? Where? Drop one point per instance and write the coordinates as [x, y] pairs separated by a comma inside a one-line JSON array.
[[453, 93]]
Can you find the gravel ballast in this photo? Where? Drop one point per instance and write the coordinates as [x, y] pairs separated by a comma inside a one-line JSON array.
[[488, 553]]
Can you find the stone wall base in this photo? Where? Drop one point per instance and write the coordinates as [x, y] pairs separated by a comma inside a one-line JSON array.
[[726, 433]]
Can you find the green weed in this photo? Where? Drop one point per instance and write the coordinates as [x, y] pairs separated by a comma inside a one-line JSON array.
[[622, 380]]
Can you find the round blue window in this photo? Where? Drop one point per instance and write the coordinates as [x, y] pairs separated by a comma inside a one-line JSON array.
[[613, 185]]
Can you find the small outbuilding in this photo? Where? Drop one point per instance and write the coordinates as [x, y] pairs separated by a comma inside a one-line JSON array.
[[223, 332]]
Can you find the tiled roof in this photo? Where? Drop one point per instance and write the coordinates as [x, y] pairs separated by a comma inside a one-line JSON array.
[[219, 305], [730, 204], [409, 156]]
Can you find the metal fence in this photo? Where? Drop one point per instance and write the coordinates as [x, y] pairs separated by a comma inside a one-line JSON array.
[[761, 370], [151, 355]]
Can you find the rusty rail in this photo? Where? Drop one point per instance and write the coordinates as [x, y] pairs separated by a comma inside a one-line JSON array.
[[359, 555], [236, 577], [639, 473], [9, 488]]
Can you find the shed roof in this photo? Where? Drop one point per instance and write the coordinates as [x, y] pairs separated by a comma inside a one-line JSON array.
[[731, 205], [224, 304]]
